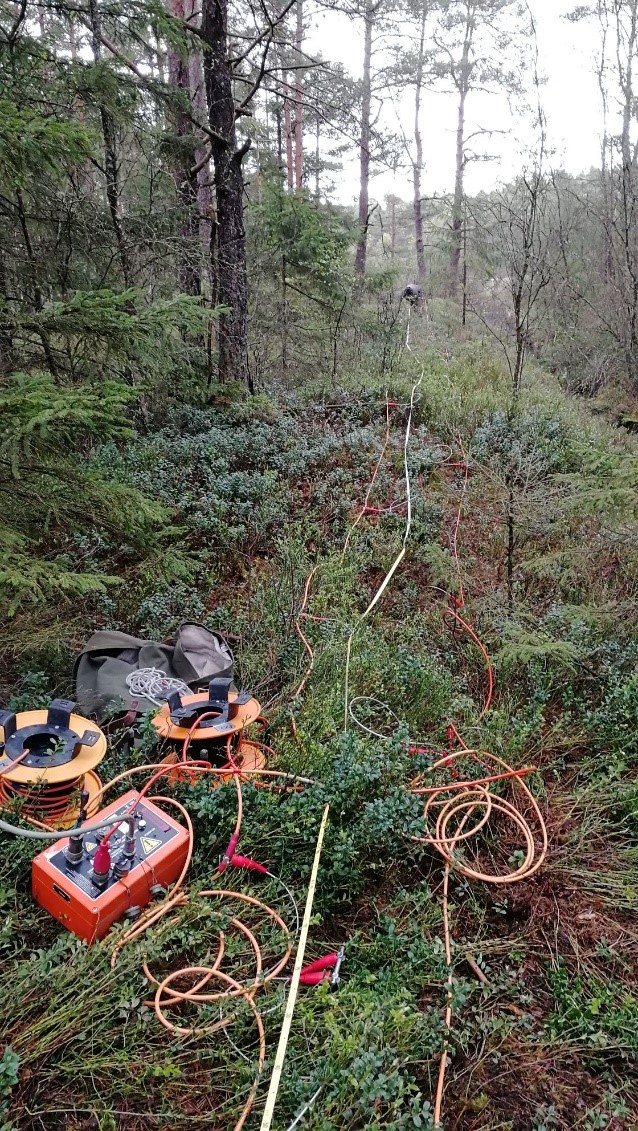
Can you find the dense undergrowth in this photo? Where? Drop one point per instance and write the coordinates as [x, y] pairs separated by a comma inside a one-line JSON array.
[[249, 495]]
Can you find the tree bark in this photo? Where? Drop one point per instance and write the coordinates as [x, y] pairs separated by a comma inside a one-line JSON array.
[[87, 180], [364, 157], [7, 360], [290, 180], [417, 166], [464, 271], [629, 194], [202, 153], [284, 317], [38, 300], [317, 157], [280, 140], [185, 180], [230, 236], [111, 167], [462, 81], [511, 541], [299, 100]]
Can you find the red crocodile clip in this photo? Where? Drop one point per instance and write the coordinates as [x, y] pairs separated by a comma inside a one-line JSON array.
[[247, 863], [324, 969]]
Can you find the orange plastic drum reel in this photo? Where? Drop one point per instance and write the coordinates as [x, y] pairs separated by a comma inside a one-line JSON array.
[[228, 711], [248, 756], [46, 757]]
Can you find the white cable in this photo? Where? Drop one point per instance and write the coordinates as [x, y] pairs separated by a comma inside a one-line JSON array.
[[298, 1119], [400, 556], [155, 685], [362, 725], [408, 489], [291, 897]]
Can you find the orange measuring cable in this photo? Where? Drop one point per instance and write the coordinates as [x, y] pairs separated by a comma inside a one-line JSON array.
[[364, 509], [472, 804], [472, 801], [304, 640], [167, 995], [457, 604]]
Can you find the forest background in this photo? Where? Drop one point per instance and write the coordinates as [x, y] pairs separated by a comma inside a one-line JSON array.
[[209, 218]]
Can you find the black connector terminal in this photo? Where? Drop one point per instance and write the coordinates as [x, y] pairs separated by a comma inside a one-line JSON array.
[[129, 839], [75, 849]]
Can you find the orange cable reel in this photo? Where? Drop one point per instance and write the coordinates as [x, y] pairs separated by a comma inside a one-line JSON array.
[[47, 762]]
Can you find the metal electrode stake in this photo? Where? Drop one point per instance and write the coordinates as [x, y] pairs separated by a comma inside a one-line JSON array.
[[334, 977]]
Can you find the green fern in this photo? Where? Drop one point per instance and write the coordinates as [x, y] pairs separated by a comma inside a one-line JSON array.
[[26, 578], [40, 416], [29, 141], [526, 646], [607, 483]]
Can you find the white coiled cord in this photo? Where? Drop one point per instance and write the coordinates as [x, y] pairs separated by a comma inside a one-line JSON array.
[[155, 685]]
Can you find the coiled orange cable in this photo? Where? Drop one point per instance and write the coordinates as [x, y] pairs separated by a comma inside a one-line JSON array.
[[166, 995]]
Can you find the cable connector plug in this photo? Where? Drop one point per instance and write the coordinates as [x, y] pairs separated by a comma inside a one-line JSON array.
[[246, 862], [229, 853], [129, 839], [101, 864], [75, 849]]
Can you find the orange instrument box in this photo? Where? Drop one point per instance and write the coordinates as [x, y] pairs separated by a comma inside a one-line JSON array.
[[66, 887]]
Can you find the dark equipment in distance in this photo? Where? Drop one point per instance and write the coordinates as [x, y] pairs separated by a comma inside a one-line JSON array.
[[412, 294]]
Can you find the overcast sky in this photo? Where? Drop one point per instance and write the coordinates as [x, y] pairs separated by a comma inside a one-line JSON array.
[[571, 102]]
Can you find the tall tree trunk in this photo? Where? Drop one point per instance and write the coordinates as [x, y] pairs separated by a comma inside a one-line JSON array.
[[317, 157], [299, 100], [280, 140], [464, 272], [38, 299], [202, 164], [457, 204], [284, 317], [202, 153], [7, 361], [183, 164], [287, 121], [417, 166], [111, 167], [628, 184], [159, 56], [364, 157], [230, 236], [462, 80], [87, 180], [290, 180]]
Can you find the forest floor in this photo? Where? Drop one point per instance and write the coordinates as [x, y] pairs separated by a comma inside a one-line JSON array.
[[546, 1035]]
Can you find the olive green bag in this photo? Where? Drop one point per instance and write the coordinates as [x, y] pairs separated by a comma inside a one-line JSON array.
[[196, 655]]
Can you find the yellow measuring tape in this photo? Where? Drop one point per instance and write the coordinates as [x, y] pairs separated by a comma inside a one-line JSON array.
[[271, 1099]]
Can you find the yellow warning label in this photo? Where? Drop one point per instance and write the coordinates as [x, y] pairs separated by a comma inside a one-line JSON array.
[[149, 844], [90, 846]]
